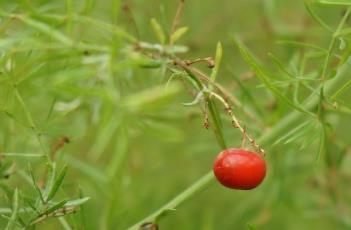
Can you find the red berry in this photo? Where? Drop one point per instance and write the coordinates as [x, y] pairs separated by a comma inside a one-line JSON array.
[[239, 169]]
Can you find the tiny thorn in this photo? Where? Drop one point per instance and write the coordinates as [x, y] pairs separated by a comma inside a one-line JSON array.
[[234, 124], [229, 111], [206, 121]]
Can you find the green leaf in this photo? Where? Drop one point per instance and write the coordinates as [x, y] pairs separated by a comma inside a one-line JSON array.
[[341, 90], [246, 92], [168, 49], [250, 226], [216, 120], [57, 184], [48, 213], [152, 98], [144, 61], [26, 155], [343, 32], [77, 201], [31, 205], [322, 141], [302, 45], [265, 79], [13, 219], [196, 101], [178, 34], [317, 18], [88, 170], [56, 206], [82, 212], [150, 64], [37, 189], [44, 28], [50, 181], [280, 65], [197, 82], [335, 2], [342, 45], [105, 133], [160, 34], [7, 190], [218, 59], [299, 131]]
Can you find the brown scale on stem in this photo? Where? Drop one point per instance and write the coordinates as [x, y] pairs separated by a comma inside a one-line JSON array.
[[206, 121]]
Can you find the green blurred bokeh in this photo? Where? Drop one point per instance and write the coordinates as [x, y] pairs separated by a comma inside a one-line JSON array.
[[132, 151]]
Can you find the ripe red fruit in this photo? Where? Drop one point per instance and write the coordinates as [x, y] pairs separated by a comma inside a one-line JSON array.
[[239, 169]]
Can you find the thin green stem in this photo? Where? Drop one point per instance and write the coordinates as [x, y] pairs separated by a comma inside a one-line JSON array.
[[31, 123], [217, 129], [197, 187], [322, 146], [332, 44], [341, 90]]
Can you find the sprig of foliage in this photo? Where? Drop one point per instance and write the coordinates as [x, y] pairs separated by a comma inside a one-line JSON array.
[[64, 72]]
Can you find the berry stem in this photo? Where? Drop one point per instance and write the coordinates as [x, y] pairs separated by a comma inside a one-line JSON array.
[[236, 122]]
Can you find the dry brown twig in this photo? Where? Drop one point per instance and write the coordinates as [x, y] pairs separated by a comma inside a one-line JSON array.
[[176, 19], [57, 213]]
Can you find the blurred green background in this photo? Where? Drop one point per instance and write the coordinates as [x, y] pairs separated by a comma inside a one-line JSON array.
[[134, 146]]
